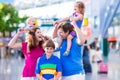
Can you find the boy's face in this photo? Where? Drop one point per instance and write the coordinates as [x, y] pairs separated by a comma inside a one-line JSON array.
[[48, 50]]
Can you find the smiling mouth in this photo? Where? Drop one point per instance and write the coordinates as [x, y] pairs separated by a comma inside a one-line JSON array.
[[40, 37]]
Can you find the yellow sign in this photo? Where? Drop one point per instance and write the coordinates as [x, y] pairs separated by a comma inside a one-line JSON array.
[[85, 22], [36, 22]]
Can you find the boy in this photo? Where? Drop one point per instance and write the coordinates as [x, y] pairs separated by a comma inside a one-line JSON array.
[[48, 66]]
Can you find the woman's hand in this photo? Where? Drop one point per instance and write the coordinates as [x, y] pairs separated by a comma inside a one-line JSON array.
[[45, 37], [56, 22], [21, 30]]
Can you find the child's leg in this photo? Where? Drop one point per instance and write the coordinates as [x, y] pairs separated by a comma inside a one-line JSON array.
[[69, 42]]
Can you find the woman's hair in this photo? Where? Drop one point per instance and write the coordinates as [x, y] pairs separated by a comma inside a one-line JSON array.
[[31, 38], [81, 6], [66, 26], [49, 43]]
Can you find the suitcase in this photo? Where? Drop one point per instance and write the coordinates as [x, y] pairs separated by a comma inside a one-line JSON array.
[[103, 68]]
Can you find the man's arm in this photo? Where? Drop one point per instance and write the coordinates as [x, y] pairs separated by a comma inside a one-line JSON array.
[[80, 36], [54, 35]]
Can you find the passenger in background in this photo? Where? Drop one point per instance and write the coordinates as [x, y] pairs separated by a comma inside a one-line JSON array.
[[98, 55], [86, 58], [95, 43]]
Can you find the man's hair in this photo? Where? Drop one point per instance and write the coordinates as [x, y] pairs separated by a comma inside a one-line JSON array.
[[66, 26]]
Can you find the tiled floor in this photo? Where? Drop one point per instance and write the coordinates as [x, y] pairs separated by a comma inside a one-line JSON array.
[[10, 69]]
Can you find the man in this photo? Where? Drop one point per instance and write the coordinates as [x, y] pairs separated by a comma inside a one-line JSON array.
[[94, 44], [72, 65]]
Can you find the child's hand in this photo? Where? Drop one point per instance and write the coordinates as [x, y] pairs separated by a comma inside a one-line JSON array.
[[43, 78], [52, 79], [71, 18], [73, 22]]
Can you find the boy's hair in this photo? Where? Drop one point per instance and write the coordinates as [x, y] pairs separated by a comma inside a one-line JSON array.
[[49, 43]]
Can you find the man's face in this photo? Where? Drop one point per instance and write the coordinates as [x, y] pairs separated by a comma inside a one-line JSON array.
[[62, 33]]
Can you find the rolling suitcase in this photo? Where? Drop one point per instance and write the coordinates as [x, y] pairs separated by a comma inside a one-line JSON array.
[[103, 68]]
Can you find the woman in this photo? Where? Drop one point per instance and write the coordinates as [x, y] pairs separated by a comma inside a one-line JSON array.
[[32, 49]]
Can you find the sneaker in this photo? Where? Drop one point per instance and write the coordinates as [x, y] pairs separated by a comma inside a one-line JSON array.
[[57, 49], [66, 53]]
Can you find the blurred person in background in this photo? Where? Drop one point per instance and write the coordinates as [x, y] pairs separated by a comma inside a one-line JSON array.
[[98, 55], [86, 58], [95, 43]]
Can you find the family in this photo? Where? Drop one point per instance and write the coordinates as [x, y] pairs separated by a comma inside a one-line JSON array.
[[38, 49]]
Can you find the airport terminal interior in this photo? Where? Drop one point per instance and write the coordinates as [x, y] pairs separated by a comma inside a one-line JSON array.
[[101, 21]]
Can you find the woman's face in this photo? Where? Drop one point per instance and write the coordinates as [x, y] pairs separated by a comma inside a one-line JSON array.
[[38, 35], [62, 33]]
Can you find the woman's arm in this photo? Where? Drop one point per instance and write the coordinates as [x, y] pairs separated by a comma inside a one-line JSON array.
[[13, 42], [80, 36]]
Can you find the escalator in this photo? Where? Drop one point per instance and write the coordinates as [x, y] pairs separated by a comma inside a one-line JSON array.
[[106, 15]]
